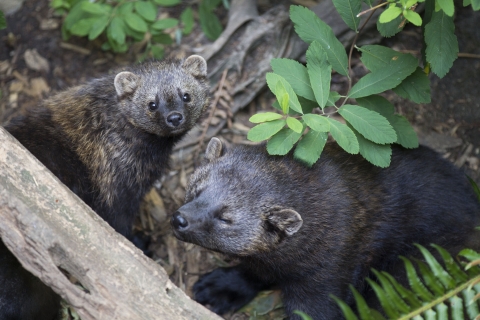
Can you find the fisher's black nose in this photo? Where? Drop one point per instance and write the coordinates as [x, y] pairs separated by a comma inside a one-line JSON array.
[[178, 221], [174, 119]]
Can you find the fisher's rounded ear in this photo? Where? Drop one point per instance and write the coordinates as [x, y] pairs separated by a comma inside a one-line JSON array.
[[214, 149], [284, 219], [126, 83], [196, 66]]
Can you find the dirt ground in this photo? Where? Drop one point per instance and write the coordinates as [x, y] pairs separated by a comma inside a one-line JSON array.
[[35, 62]]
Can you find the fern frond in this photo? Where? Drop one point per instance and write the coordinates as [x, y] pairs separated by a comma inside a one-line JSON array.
[[438, 291]]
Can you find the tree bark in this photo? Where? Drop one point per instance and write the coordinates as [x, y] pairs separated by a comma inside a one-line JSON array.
[[49, 229]]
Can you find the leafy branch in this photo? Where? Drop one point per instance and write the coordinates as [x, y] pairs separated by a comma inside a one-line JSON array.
[[371, 126]]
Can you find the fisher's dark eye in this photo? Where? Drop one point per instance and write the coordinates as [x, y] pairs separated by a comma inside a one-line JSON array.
[[186, 97], [219, 215], [152, 106]]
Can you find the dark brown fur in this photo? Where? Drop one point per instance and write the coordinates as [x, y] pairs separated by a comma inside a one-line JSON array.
[[313, 231], [108, 141]]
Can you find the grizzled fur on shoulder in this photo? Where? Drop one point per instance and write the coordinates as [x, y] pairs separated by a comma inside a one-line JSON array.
[[313, 231], [109, 139]]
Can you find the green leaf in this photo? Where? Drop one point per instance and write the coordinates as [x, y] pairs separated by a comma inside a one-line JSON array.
[[167, 3], [429, 278], [442, 45], [309, 27], [282, 96], [116, 30], [210, 23], [348, 10], [370, 124], [187, 20], [98, 27], [264, 117], [146, 9], [344, 136], [386, 303], [333, 97], [452, 267], [210, 5], [440, 273], [82, 27], [407, 295], [319, 72], [475, 5], [417, 286], [295, 125], [165, 24], [377, 154], [95, 8], [378, 104], [162, 38], [391, 293], [265, 130], [475, 187], [413, 17], [406, 136], [447, 6], [307, 105], [125, 8], [456, 305], [316, 122], [415, 87], [157, 52], [282, 142], [376, 57], [391, 28], [295, 74], [135, 22], [272, 80], [346, 310], [390, 13], [3, 21], [302, 315], [310, 148], [362, 307], [388, 77]]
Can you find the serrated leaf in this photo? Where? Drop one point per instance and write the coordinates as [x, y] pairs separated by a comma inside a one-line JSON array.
[[116, 31], [295, 74], [417, 286], [362, 307], [316, 122], [452, 267], [310, 28], [456, 304], [447, 6], [319, 72], [346, 310], [135, 22], [388, 77], [377, 154], [164, 24], [344, 136], [210, 24], [264, 117], [406, 136], [167, 3], [348, 10], [376, 57], [407, 295], [187, 20], [429, 278], [98, 27], [378, 104], [272, 80], [333, 97], [265, 130], [442, 44], [295, 125], [370, 124], [437, 269], [413, 17], [282, 96], [415, 87], [390, 13], [146, 9], [391, 28], [310, 148], [391, 293], [282, 142], [386, 303]]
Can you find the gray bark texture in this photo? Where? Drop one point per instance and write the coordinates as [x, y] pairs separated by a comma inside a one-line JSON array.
[[50, 229]]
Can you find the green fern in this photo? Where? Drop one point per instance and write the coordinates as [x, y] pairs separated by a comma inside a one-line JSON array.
[[448, 291]]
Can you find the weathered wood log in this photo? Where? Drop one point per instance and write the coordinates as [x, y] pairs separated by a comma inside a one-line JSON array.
[[49, 229]]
